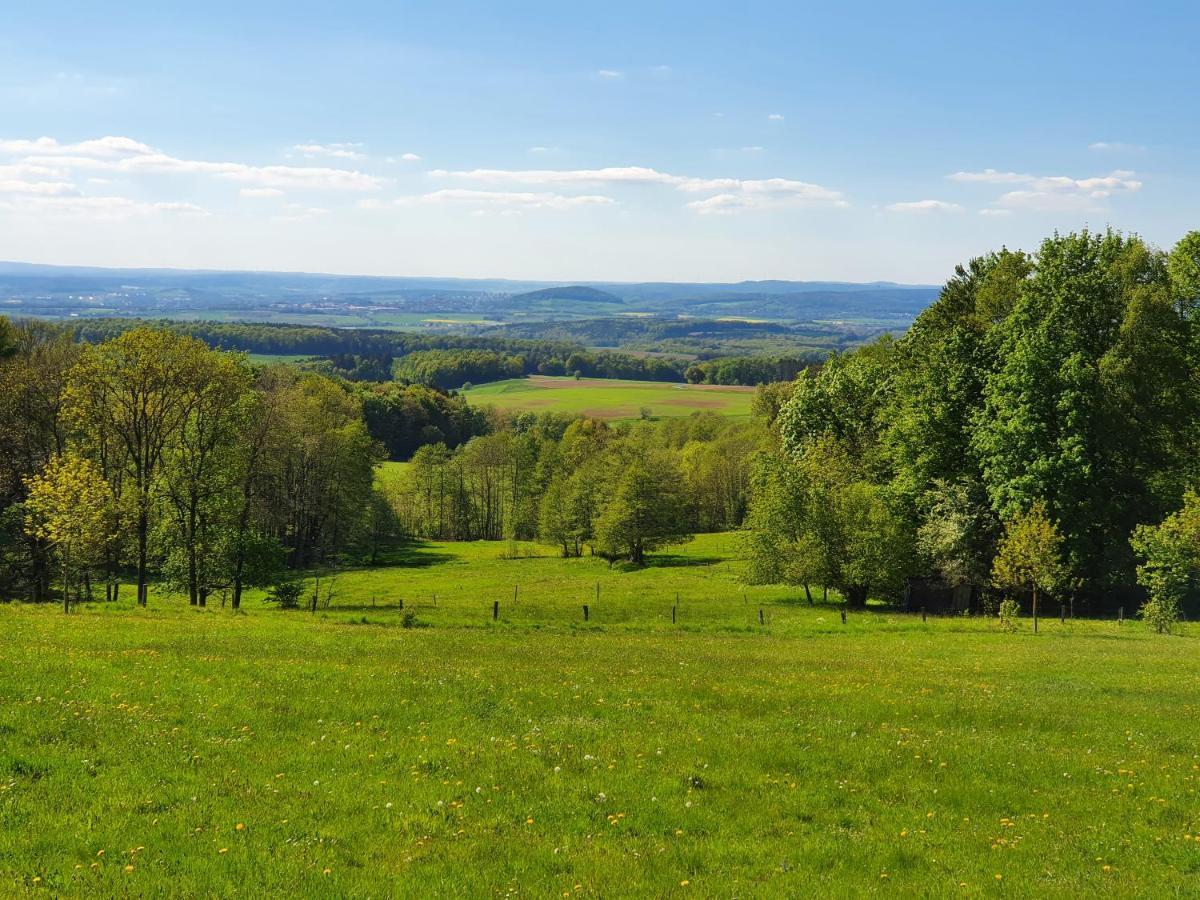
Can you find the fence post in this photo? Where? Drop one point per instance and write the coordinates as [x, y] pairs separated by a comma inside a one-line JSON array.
[[922, 614], [672, 615], [402, 603], [1062, 615], [843, 615], [495, 610], [1121, 615], [760, 616], [585, 612]]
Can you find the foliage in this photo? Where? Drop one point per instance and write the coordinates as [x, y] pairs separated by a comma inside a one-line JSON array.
[[1029, 557], [1009, 613], [1170, 562]]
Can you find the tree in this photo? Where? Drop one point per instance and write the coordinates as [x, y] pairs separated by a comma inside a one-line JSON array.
[[1030, 555], [68, 508], [1092, 405], [200, 470], [647, 508], [958, 535], [136, 390], [1170, 562]]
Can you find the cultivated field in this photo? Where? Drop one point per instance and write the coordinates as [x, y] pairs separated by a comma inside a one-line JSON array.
[[610, 398], [201, 753]]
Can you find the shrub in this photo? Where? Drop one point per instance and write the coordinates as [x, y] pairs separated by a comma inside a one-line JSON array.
[[1010, 612], [1162, 613], [286, 594]]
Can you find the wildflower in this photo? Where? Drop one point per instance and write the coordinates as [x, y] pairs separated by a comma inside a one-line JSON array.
[[223, 850], [326, 870], [129, 868], [683, 883], [241, 826]]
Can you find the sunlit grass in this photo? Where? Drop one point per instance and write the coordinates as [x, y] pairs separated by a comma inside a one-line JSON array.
[[626, 756]]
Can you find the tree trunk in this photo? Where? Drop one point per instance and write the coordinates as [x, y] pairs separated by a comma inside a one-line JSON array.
[[1035, 609], [143, 529], [808, 594]]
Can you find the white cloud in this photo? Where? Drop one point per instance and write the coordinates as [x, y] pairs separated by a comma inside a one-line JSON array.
[[609, 74], [337, 151], [1115, 147], [105, 208], [410, 157], [923, 206], [1053, 193], [261, 192], [99, 147], [23, 178], [775, 117], [769, 191], [995, 212], [511, 199], [127, 156]]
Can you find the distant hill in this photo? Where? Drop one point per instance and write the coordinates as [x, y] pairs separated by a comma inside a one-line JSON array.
[[575, 292], [368, 301]]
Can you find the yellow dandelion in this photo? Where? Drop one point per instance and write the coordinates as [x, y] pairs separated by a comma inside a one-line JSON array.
[[129, 868], [529, 821], [241, 826], [683, 883], [223, 850], [326, 870]]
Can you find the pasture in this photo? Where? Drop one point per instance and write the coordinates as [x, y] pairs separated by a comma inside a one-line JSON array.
[[172, 751], [611, 398]]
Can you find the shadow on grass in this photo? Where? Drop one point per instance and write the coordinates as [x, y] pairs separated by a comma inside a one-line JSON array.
[[414, 554], [676, 561]]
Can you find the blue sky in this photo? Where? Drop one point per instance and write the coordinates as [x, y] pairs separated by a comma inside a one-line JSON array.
[[629, 141]]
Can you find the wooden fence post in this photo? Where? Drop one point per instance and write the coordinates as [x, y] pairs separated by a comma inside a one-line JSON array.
[[1121, 616], [495, 610], [922, 614], [1062, 614], [672, 615], [760, 616], [843, 615], [585, 612]]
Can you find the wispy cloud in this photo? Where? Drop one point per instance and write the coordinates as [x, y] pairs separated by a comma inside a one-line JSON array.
[[337, 151], [1053, 193], [510, 199], [609, 75], [775, 117], [105, 208], [730, 194], [261, 192], [1115, 147], [923, 206], [129, 157]]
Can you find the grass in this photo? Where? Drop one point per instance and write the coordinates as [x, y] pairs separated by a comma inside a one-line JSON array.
[[170, 751], [610, 398]]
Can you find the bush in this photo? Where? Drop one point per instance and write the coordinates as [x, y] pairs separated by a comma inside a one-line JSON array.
[[286, 594], [1162, 613], [1010, 612]]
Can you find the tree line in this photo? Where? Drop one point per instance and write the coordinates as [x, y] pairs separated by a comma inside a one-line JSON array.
[[1034, 430], [450, 361], [583, 485], [150, 454]]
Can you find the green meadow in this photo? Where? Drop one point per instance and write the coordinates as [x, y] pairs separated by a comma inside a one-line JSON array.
[[172, 751], [610, 398]]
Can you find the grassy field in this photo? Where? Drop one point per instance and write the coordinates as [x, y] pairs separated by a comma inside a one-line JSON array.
[[609, 398], [172, 751]]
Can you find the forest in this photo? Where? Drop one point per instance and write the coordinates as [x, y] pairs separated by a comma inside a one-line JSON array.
[[453, 360], [1031, 435]]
